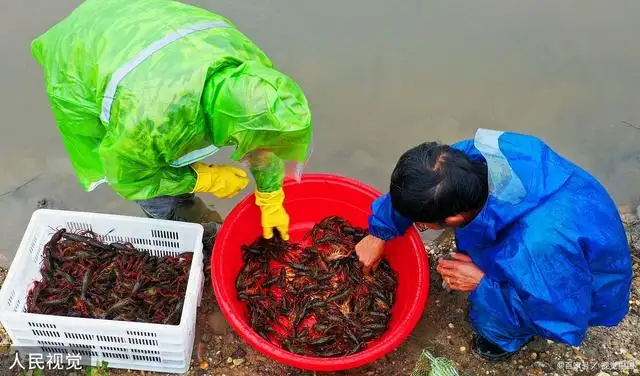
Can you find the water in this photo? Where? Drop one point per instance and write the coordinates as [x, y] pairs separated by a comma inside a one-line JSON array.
[[381, 77]]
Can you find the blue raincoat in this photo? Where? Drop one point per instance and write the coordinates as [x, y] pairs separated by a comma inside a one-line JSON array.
[[549, 239]]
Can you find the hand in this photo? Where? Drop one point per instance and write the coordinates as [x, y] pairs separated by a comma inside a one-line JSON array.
[[460, 274], [370, 251], [273, 213], [221, 181]]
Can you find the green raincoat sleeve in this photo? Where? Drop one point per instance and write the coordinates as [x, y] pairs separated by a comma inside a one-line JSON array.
[[265, 116]]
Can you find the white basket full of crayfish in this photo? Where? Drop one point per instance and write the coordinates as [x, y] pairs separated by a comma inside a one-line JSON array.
[[107, 288]]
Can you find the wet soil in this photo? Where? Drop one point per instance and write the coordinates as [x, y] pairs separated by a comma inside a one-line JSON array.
[[443, 330]]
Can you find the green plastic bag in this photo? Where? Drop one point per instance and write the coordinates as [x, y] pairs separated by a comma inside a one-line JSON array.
[[142, 89]]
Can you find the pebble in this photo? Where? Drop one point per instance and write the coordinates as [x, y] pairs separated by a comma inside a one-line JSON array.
[[534, 356], [549, 342], [602, 373], [628, 356], [463, 349], [520, 366], [539, 364], [370, 373], [238, 361], [629, 218], [448, 337], [451, 325]]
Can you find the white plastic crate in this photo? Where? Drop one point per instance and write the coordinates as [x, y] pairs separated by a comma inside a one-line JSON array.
[[130, 345]]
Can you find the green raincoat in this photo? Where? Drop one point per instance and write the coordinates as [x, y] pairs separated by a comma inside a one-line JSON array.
[[142, 89]]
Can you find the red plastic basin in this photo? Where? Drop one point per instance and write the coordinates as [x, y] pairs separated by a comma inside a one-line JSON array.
[[314, 198]]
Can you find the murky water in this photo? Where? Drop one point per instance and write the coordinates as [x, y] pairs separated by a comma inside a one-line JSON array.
[[381, 76]]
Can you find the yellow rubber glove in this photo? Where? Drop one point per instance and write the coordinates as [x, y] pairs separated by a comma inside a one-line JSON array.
[[273, 213], [221, 181]]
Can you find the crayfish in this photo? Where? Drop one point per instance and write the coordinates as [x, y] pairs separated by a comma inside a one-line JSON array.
[[84, 277], [313, 298]]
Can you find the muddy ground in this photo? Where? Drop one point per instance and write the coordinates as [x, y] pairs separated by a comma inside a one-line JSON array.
[[443, 330]]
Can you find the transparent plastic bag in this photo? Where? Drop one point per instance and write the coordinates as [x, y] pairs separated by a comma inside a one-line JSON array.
[[428, 365], [269, 170]]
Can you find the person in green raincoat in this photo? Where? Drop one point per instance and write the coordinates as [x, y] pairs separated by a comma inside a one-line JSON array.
[[143, 90]]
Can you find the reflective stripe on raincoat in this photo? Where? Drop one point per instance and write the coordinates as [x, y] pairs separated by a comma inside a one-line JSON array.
[[549, 239], [141, 89]]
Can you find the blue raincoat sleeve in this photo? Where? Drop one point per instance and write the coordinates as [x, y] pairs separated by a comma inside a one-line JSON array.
[[385, 223], [544, 303]]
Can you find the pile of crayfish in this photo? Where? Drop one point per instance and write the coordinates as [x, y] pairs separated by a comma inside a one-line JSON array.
[[85, 277], [314, 299]]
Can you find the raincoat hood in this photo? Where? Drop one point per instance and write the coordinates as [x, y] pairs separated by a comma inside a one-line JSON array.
[[254, 107], [522, 171]]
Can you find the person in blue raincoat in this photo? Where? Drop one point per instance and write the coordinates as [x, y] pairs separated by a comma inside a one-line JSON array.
[[541, 246]]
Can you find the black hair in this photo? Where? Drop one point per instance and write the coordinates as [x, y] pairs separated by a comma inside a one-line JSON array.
[[433, 181]]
